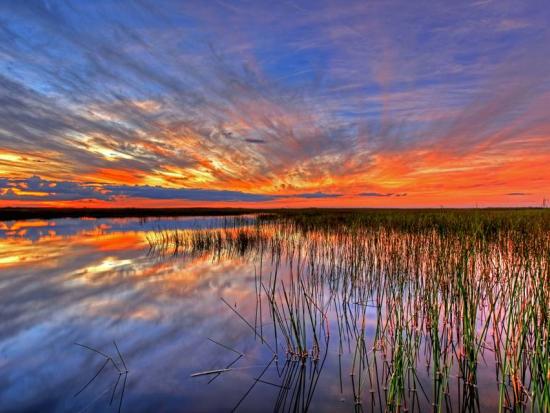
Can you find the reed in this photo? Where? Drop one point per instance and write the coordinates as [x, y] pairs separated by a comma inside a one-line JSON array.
[[447, 290]]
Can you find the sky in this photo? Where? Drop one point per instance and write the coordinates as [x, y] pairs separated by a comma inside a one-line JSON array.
[[274, 104]]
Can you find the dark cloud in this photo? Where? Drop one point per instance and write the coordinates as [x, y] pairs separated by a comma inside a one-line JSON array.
[[157, 192], [315, 195], [518, 193], [381, 194], [36, 188], [374, 194]]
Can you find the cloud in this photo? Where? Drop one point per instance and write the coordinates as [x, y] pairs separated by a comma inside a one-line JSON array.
[[374, 194], [299, 98], [157, 192], [314, 195], [36, 188], [380, 194], [518, 193]]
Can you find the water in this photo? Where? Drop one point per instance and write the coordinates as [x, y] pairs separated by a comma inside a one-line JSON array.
[[96, 282], [92, 282]]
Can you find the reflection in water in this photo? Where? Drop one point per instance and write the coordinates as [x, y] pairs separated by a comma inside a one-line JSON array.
[[214, 314], [120, 367], [95, 286]]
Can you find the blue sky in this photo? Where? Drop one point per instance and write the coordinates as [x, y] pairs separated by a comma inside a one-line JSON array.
[[273, 99]]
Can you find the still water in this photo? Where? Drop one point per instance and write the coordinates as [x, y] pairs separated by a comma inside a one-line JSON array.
[[93, 282], [82, 296]]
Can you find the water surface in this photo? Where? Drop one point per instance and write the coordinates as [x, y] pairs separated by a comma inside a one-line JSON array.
[[97, 282]]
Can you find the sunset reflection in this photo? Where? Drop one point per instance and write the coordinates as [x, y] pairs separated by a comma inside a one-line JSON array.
[[95, 285]]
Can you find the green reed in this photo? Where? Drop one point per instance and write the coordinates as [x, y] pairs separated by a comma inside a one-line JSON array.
[[448, 290]]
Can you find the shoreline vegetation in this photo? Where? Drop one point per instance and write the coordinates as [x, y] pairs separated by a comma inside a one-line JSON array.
[[18, 213], [421, 306], [332, 214]]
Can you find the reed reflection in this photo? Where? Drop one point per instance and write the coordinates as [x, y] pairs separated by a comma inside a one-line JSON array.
[[423, 317], [95, 286], [343, 313]]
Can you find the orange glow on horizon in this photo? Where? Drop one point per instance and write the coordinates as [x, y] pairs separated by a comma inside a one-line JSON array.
[[438, 120], [427, 178]]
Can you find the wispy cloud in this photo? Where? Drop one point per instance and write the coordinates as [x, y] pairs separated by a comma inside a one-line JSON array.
[[300, 99]]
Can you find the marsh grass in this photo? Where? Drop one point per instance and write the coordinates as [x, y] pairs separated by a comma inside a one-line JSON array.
[[448, 292]]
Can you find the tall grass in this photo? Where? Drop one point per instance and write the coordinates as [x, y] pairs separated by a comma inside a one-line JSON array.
[[448, 291]]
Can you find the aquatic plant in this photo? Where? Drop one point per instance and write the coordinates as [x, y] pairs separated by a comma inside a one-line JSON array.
[[448, 291]]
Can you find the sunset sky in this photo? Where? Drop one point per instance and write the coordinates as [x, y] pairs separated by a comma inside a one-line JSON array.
[[274, 104]]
